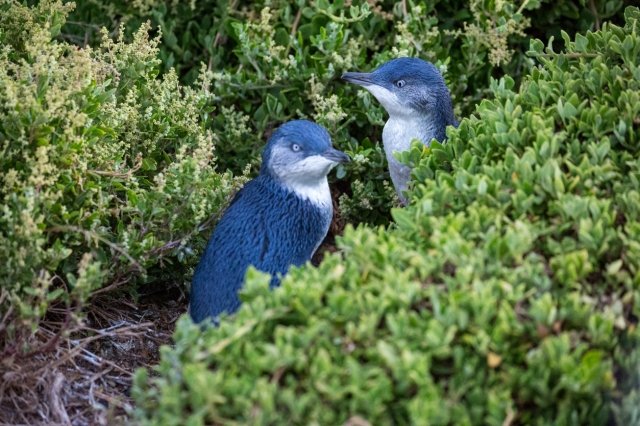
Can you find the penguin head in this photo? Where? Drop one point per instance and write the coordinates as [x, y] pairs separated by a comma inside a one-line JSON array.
[[299, 153], [405, 86]]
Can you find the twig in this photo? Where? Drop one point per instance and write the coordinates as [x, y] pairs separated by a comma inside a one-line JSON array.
[[511, 416], [253, 87], [296, 21], [201, 227], [522, 6], [84, 24], [340, 19], [111, 400], [7, 314], [90, 234], [115, 284], [49, 345], [57, 406], [594, 11], [79, 349], [126, 174], [572, 55]]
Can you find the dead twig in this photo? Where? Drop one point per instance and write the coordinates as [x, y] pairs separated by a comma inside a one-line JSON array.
[[57, 406]]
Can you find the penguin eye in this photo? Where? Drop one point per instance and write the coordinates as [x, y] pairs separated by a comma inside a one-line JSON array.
[[295, 147], [400, 83]]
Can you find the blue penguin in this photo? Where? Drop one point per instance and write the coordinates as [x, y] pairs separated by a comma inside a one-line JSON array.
[[276, 220], [418, 102]]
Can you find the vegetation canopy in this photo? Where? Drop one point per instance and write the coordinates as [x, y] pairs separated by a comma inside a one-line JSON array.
[[507, 292]]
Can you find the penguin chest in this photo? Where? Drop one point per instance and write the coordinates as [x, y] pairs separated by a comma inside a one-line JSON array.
[[399, 132], [396, 137]]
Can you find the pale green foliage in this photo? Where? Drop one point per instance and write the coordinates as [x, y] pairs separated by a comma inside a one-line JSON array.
[[507, 292], [105, 168]]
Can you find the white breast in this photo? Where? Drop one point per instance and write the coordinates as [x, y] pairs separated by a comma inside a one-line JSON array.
[[316, 192], [397, 135]]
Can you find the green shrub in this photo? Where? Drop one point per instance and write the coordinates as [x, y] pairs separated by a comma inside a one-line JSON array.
[[271, 61], [106, 170], [507, 292]]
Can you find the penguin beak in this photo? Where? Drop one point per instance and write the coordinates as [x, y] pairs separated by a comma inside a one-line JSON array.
[[336, 156], [359, 78]]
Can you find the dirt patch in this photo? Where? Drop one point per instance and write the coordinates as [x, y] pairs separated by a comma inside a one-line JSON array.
[[84, 378]]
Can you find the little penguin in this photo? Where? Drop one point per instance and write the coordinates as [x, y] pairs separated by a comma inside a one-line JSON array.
[[277, 220], [418, 102]]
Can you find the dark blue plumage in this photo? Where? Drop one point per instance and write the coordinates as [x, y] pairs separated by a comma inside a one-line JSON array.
[[419, 105], [277, 220]]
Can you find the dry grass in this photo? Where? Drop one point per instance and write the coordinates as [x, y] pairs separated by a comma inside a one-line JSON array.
[[83, 376]]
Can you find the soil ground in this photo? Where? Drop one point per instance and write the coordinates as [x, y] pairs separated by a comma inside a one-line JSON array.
[[85, 378]]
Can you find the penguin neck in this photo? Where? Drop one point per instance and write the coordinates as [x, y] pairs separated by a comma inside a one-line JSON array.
[[313, 191]]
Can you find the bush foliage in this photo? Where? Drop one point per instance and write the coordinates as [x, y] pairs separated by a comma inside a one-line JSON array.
[[508, 291], [271, 61], [106, 170]]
